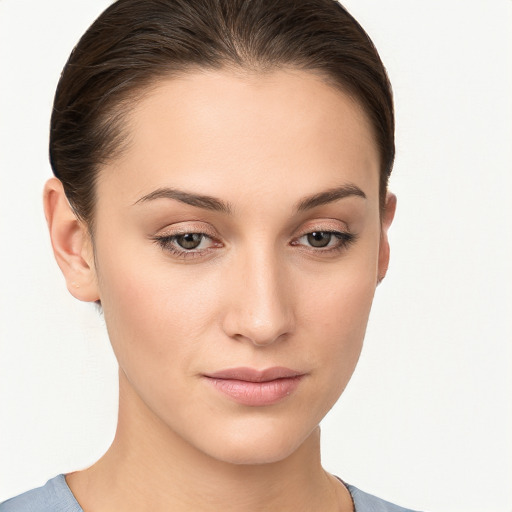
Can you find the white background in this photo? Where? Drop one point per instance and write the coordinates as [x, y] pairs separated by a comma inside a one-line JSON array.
[[427, 419]]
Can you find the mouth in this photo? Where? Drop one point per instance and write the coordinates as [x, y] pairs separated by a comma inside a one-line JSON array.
[[256, 388]]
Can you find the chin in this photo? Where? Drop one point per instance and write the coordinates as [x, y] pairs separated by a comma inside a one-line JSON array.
[[263, 446], [253, 456]]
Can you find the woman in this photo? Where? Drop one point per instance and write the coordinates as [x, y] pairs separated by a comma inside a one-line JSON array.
[[220, 191]]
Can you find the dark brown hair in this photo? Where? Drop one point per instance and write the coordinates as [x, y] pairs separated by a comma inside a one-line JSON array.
[[133, 43]]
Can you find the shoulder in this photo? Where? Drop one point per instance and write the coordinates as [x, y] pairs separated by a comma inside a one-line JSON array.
[[54, 496], [364, 502]]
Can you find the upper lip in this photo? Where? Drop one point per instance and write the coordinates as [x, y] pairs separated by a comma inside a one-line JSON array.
[[254, 375]]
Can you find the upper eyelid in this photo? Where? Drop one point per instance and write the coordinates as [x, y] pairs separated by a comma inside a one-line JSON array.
[[344, 235], [323, 228], [211, 236], [195, 226], [165, 241], [324, 223], [170, 231], [175, 235], [345, 239]]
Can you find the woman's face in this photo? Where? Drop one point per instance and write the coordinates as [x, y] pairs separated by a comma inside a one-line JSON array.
[[237, 247]]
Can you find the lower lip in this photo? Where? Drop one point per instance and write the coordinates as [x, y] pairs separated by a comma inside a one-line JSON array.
[[256, 393]]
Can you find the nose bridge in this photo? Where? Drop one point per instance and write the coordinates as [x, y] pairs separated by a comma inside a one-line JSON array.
[[261, 309]]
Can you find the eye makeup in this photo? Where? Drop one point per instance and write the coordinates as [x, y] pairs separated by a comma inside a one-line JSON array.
[[188, 244], [194, 244], [325, 241]]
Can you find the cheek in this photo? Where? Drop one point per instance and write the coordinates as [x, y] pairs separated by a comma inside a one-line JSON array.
[[159, 314], [340, 296], [341, 321], [153, 314], [335, 316]]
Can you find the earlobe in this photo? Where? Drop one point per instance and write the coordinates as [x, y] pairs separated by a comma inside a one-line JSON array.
[[71, 243], [387, 218]]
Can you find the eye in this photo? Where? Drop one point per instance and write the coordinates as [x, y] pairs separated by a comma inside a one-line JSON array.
[[187, 245], [189, 240], [325, 241], [319, 238]]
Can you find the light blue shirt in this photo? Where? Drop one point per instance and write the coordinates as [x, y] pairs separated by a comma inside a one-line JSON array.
[[56, 496]]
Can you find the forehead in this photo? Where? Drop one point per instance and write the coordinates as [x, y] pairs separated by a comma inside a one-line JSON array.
[[208, 129]]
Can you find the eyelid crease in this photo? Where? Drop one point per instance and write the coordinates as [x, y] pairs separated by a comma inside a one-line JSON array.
[[167, 237], [325, 224], [188, 227], [344, 241]]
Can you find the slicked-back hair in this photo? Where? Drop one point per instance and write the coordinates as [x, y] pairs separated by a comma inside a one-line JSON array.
[[134, 43]]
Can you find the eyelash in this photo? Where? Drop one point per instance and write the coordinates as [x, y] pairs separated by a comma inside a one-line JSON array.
[[344, 240], [168, 243]]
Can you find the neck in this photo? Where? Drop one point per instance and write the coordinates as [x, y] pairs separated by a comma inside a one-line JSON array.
[[148, 466]]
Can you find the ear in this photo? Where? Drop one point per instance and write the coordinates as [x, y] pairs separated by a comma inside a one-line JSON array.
[[71, 243], [387, 218]]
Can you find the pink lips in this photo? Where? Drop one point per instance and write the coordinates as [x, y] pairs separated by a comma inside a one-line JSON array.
[[248, 386]]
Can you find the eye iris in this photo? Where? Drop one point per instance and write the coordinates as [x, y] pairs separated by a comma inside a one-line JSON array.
[[189, 240], [319, 238]]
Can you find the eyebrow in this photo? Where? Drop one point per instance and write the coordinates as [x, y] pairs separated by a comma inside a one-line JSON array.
[[198, 200], [212, 203], [329, 196]]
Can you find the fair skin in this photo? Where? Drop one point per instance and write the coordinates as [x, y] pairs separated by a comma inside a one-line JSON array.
[[256, 290]]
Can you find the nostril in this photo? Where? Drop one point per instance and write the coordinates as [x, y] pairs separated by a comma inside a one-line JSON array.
[[260, 331]]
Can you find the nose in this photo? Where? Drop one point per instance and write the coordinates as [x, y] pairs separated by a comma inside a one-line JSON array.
[[260, 306]]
